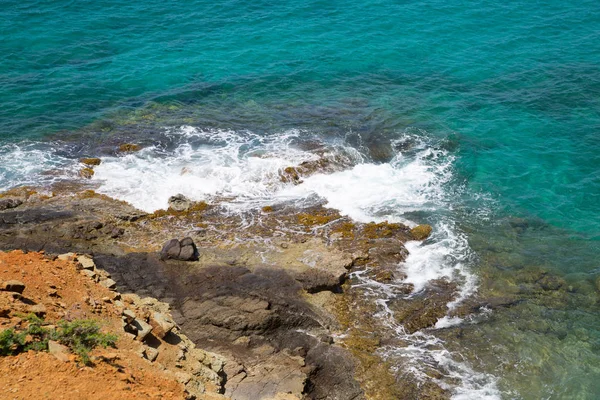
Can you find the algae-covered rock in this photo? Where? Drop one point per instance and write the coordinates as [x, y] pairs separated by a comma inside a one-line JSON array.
[[90, 161], [424, 309], [551, 282], [290, 175], [129, 148], [421, 232], [86, 173]]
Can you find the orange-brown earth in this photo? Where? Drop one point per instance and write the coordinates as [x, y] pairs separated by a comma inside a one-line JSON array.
[[116, 373]]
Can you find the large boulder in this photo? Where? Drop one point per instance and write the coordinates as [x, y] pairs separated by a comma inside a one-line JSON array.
[[184, 250]]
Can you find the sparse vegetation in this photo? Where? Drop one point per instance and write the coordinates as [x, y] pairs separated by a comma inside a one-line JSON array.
[[10, 342], [81, 336]]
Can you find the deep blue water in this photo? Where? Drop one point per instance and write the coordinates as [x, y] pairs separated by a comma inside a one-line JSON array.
[[512, 89]]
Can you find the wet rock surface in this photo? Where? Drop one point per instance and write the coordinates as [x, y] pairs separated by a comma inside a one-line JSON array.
[[277, 298]]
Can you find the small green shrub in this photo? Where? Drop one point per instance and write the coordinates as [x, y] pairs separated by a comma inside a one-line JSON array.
[[81, 336], [11, 342]]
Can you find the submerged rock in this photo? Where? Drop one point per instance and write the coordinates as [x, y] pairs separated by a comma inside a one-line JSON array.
[[424, 309]]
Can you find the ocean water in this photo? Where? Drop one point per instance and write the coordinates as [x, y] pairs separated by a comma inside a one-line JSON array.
[[481, 119]]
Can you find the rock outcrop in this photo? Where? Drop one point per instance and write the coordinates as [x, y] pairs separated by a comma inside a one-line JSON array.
[[275, 298]]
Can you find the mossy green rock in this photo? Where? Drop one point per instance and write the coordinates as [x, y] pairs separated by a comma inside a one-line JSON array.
[[421, 232]]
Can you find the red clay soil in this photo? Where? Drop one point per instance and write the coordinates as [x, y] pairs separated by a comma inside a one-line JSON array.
[[66, 294]]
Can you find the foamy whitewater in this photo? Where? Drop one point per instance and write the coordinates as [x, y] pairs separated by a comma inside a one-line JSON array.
[[244, 169]]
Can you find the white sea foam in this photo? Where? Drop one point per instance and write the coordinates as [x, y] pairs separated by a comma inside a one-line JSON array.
[[35, 164], [243, 167]]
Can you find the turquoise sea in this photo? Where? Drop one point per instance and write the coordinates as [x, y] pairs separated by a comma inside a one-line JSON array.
[[493, 106]]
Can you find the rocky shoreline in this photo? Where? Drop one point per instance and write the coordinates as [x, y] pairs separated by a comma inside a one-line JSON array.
[[272, 291]]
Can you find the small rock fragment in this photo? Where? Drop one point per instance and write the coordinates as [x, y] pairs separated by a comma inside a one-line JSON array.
[[88, 273], [143, 328], [129, 315], [187, 253], [67, 257], [13, 286], [161, 324], [183, 377], [151, 353], [109, 283], [129, 148], [86, 173], [58, 350], [86, 262], [38, 309]]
